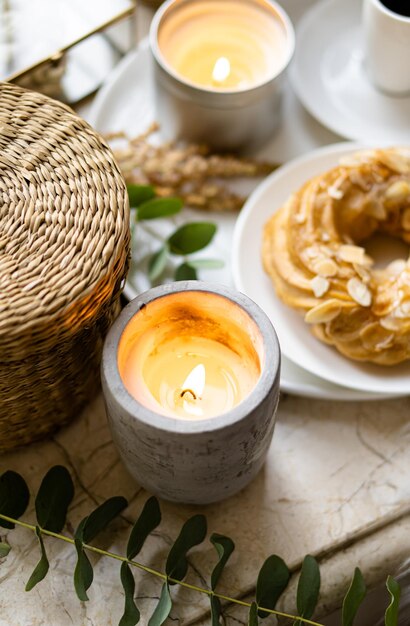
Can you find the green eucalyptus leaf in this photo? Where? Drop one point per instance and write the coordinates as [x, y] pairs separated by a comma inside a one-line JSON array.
[[308, 588], [391, 617], [224, 547], [158, 262], [159, 207], [163, 608], [206, 264], [83, 573], [42, 567], [185, 272], [353, 598], [131, 615], [253, 615], [191, 237], [192, 533], [14, 497], [4, 549], [53, 499], [272, 581], [148, 521], [137, 194], [89, 528], [216, 611], [102, 516]]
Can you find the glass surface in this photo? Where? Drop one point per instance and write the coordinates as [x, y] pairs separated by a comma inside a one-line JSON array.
[[33, 31]]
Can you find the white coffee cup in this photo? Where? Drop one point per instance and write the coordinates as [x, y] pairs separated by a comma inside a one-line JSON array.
[[387, 47]]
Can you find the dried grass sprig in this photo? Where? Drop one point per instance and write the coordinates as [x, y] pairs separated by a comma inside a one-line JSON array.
[[191, 172]]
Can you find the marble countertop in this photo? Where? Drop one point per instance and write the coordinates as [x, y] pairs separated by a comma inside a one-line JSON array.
[[335, 485]]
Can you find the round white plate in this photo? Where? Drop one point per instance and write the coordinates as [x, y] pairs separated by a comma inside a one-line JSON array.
[[297, 343], [329, 77], [126, 103]]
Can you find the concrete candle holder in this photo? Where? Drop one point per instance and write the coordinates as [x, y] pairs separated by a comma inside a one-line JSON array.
[[201, 460]]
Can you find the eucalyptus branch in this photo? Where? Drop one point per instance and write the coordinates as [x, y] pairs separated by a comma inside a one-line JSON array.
[[51, 506], [154, 572], [183, 241]]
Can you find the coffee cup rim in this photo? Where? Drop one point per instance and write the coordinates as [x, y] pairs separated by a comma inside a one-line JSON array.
[[390, 13]]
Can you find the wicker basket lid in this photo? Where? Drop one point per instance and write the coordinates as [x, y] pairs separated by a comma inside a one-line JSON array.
[[63, 219]]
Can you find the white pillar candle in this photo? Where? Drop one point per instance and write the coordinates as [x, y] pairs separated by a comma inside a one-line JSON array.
[[224, 44], [190, 355]]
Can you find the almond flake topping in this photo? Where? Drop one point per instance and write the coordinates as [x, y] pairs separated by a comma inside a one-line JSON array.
[[335, 192], [362, 272], [352, 254], [323, 312], [396, 161], [319, 286], [398, 191], [326, 267], [403, 310], [396, 267], [359, 292], [391, 323]]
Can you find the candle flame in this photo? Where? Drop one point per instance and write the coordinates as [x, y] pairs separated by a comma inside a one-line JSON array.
[[195, 382], [222, 69]]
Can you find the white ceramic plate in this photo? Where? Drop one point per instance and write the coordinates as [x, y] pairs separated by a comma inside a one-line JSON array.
[[126, 102], [297, 343], [329, 77]]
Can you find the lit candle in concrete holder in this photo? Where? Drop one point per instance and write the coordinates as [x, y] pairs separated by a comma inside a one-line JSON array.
[[218, 69], [190, 377]]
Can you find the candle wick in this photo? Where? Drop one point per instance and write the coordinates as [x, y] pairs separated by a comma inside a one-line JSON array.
[[188, 391]]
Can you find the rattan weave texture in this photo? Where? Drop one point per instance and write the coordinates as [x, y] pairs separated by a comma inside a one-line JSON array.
[[64, 249]]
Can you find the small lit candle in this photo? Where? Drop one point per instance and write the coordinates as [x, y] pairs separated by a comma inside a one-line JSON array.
[[190, 377], [191, 356], [224, 44], [218, 69]]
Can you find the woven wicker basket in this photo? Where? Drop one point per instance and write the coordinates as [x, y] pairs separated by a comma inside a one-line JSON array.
[[64, 249]]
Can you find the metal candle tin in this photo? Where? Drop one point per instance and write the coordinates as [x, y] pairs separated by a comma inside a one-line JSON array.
[[193, 461], [224, 119]]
